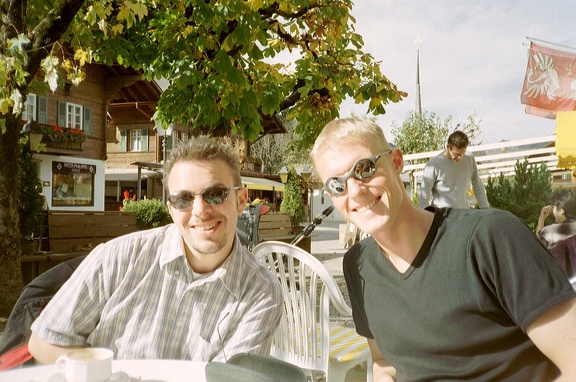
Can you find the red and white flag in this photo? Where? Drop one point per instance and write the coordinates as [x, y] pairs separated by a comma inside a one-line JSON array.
[[550, 81]]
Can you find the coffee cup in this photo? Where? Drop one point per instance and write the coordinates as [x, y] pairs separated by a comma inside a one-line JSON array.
[[86, 365]]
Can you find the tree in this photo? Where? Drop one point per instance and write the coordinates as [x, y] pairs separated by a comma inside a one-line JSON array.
[[525, 194], [220, 59], [276, 150], [428, 132], [273, 148]]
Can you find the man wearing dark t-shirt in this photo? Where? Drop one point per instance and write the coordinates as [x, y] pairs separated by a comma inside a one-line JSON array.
[[443, 294]]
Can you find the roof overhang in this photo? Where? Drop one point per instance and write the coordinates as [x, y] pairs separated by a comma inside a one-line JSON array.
[[262, 184]]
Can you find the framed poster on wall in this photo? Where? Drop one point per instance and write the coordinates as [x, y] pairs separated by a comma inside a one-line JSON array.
[[72, 184]]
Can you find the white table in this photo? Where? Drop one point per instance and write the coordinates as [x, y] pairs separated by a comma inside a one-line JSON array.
[[146, 369]]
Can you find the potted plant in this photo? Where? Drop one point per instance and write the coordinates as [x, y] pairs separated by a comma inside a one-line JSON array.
[[150, 213], [31, 208]]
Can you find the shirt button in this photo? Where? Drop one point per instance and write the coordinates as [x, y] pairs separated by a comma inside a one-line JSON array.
[[179, 324], [177, 273]]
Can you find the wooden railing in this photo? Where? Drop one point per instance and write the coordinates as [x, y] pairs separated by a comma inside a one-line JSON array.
[[495, 158]]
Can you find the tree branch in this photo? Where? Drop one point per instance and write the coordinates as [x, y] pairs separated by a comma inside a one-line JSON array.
[[49, 32]]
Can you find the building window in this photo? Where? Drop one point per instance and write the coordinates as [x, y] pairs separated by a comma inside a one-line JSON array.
[[135, 140], [72, 184], [36, 109], [74, 116], [29, 114], [184, 137]]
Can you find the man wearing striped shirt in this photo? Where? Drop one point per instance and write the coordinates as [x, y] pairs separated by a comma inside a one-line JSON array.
[[187, 290]]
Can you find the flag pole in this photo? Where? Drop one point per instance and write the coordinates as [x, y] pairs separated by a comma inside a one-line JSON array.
[[551, 43]]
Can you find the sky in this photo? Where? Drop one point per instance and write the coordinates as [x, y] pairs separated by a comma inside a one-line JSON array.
[[473, 58]]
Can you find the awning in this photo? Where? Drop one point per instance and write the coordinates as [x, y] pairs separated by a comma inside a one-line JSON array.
[[131, 175], [127, 174], [262, 184]]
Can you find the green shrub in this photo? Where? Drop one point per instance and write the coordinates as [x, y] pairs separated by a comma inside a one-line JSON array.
[[31, 201], [524, 194], [292, 202], [150, 213]]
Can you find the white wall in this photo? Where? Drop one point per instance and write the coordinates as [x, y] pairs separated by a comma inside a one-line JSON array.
[[45, 167]]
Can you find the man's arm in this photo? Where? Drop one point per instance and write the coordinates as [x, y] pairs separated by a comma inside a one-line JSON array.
[[554, 333], [254, 332], [544, 213], [382, 371], [428, 179], [478, 187], [45, 352]]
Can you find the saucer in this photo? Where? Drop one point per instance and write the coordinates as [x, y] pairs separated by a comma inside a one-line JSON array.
[[119, 376]]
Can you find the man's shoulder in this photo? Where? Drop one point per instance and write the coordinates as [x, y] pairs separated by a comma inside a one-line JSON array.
[[489, 216], [436, 159]]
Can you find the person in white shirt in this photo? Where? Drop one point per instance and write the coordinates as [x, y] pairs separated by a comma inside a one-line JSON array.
[[187, 290], [447, 177]]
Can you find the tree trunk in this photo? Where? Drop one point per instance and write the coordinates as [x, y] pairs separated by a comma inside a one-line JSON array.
[[11, 275], [56, 21]]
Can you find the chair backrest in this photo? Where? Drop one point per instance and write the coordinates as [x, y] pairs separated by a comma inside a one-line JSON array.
[[247, 225], [34, 297], [303, 337]]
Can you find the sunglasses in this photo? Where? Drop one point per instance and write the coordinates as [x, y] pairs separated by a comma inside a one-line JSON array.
[[362, 169], [212, 195]]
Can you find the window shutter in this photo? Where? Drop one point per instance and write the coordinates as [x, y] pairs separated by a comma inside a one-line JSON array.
[[62, 114], [123, 140], [42, 109], [144, 135], [87, 120]]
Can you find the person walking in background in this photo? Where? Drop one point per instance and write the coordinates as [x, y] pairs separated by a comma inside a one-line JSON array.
[[447, 177], [559, 237], [443, 294], [187, 290]]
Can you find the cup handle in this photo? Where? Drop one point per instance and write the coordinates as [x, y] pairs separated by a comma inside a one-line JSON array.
[[61, 362]]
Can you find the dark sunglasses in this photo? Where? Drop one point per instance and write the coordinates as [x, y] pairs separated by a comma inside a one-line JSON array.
[[212, 195], [362, 169]]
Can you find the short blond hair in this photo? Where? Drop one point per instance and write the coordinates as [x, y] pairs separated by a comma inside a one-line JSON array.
[[346, 129]]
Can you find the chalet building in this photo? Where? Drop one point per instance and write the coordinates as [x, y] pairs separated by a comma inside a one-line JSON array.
[[70, 122], [121, 154]]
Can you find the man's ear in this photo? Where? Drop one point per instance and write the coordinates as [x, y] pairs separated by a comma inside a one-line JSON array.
[[242, 199], [397, 160], [170, 209]]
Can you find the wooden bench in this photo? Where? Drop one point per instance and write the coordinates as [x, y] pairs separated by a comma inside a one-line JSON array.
[[76, 233], [278, 226]]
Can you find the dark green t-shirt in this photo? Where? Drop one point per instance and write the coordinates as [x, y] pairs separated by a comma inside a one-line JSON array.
[[461, 310]]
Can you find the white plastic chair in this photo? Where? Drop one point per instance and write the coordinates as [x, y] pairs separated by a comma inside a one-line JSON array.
[[306, 337]]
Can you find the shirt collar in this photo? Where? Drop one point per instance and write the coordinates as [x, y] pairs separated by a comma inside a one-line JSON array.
[[172, 245], [230, 272]]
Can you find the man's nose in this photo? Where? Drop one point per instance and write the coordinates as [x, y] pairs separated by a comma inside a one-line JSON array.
[[355, 186], [200, 206]]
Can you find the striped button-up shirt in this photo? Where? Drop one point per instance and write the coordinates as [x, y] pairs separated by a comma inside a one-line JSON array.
[[137, 296]]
